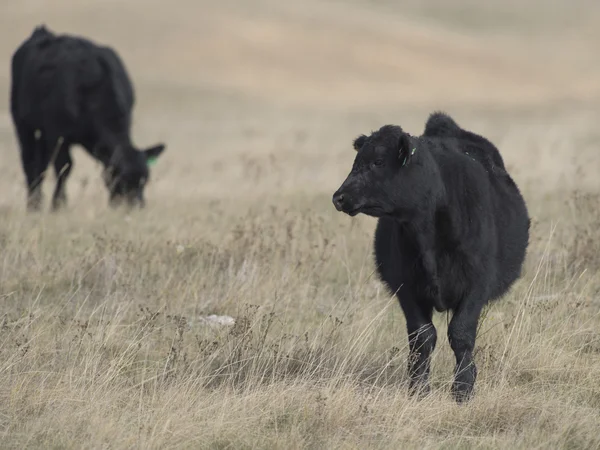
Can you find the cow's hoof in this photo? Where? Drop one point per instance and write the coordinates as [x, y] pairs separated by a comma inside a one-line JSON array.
[[58, 205], [462, 392], [419, 389]]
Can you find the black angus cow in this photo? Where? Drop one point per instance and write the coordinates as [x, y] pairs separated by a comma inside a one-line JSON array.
[[67, 90], [452, 232]]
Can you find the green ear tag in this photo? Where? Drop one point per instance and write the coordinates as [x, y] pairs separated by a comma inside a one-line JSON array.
[[151, 161], [413, 151]]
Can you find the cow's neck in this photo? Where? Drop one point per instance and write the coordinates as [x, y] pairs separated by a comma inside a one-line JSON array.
[[107, 143]]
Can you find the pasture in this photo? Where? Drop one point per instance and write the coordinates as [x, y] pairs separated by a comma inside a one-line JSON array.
[[103, 336]]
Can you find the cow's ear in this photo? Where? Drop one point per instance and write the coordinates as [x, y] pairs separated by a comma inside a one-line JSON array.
[[405, 150], [153, 153], [359, 142]]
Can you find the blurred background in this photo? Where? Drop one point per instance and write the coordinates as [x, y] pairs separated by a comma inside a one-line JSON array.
[[103, 325], [265, 96]]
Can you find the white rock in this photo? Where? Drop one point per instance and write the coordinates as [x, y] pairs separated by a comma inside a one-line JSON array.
[[212, 321]]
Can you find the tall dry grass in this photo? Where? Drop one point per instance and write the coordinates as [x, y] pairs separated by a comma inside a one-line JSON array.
[[103, 346], [103, 342]]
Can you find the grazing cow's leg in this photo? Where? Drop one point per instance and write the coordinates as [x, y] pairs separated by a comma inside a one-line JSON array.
[[35, 162], [422, 337], [62, 167], [461, 334]]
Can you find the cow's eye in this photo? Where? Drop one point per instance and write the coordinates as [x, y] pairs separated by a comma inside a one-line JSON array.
[[378, 163]]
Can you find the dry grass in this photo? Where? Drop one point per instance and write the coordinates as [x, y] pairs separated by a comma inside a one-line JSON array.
[[102, 342]]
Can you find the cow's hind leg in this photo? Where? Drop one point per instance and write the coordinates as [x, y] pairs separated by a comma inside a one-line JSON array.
[[422, 337], [461, 334], [62, 167], [35, 161]]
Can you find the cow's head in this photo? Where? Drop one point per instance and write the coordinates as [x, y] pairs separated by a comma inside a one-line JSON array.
[[381, 174], [127, 174]]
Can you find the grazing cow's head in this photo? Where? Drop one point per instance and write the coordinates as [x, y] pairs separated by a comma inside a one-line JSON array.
[[380, 176], [127, 174]]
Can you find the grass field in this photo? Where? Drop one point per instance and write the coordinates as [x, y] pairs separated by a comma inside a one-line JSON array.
[[102, 338]]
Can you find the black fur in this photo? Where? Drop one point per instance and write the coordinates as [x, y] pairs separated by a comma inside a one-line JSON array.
[[452, 231], [67, 90]]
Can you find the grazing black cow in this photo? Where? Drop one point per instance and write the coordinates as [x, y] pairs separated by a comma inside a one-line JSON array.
[[452, 232], [67, 90]]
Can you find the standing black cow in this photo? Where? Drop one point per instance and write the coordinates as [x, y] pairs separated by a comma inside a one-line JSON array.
[[452, 232], [67, 90]]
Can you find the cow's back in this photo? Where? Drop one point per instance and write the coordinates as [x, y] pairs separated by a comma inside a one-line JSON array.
[[510, 219], [442, 126], [23, 67], [67, 82]]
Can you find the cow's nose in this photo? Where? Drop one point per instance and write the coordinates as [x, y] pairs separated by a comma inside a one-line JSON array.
[[338, 200]]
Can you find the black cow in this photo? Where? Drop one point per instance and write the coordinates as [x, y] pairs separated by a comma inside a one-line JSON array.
[[452, 232], [67, 90]]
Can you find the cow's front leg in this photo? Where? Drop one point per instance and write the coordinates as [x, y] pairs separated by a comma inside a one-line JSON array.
[[430, 284], [432, 289], [422, 337]]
